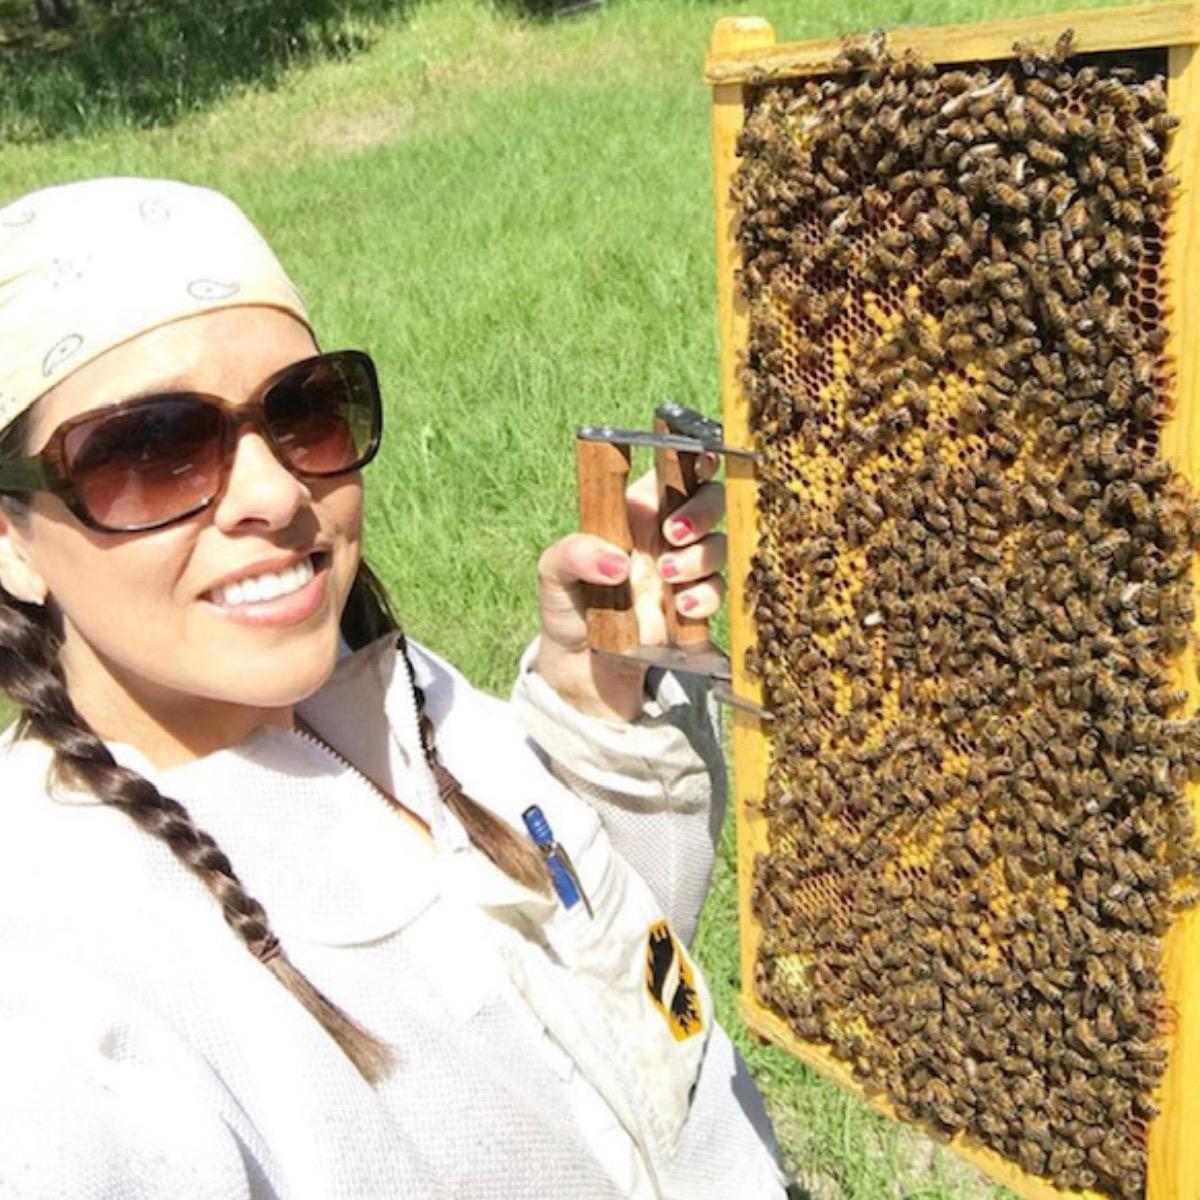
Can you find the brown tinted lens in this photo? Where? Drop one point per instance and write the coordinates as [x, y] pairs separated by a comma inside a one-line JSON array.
[[324, 417], [147, 464]]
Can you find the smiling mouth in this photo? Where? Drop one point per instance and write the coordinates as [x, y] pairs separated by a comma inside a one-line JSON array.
[[269, 585]]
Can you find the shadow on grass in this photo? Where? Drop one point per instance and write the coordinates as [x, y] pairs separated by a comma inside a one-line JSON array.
[[548, 10], [149, 62], [797, 1192]]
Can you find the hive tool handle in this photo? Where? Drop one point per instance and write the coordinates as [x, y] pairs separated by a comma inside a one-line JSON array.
[[602, 467], [602, 471], [678, 478]]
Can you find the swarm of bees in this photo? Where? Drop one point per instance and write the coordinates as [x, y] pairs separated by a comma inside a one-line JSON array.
[[972, 590]]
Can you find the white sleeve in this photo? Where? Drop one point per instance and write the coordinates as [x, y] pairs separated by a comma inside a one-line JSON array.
[[99, 1099], [100, 1128], [658, 783], [728, 1146]]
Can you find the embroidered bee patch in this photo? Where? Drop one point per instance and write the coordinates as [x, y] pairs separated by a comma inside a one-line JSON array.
[[671, 983]]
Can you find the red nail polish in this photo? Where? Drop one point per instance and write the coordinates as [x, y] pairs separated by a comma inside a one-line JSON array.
[[688, 603], [669, 568], [615, 566], [681, 528]]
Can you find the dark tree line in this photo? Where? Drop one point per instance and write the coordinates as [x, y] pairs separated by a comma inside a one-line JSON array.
[[55, 14], [60, 14]]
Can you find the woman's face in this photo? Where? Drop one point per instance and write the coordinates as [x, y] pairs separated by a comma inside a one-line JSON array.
[[155, 639]]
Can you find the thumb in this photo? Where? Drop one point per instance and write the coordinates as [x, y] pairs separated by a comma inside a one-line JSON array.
[[583, 558]]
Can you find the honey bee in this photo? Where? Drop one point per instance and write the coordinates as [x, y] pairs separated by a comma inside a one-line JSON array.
[[1047, 155], [1057, 315], [1075, 220], [1068, 282], [1106, 130], [876, 198], [905, 181], [1047, 124], [998, 272], [1079, 129], [1135, 165], [1064, 47], [981, 152], [1117, 248], [1078, 344], [1041, 92], [1162, 123], [1058, 198], [1052, 247], [924, 228], [1017, 118], [1004, 195], [1113, 91]]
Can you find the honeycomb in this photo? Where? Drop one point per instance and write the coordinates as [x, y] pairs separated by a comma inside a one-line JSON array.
[[972, 591]]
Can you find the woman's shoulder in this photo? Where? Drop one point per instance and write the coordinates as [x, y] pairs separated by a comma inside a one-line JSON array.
[[85, 861], [31, 794], [16, 750]]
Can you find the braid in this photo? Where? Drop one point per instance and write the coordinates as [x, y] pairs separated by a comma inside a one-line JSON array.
[[368, 615], [31, 675], [495, 837]]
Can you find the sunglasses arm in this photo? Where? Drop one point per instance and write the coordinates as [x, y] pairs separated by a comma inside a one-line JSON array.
[[24, 475]]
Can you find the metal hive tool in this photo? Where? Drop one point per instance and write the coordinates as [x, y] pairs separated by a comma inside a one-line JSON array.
[[602, 454]]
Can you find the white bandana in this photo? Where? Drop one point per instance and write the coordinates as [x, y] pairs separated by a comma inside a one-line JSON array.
[[87, 266]]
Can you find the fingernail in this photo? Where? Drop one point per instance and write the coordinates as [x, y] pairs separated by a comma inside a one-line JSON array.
[[669, 568], [688, 603], [681, 528], [615, 566]]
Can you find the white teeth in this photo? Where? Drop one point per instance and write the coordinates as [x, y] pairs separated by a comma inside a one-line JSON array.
[[270, 586], [267, 586]]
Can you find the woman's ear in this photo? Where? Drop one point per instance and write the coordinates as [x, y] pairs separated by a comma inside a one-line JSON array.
[[18, 576]]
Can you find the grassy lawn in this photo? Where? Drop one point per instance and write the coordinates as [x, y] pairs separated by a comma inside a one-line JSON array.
[[516, 220]]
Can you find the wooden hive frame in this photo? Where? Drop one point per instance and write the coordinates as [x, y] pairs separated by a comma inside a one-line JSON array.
[[744, 51]]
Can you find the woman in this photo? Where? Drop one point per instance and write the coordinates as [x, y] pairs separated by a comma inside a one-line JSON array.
[[406, 997]]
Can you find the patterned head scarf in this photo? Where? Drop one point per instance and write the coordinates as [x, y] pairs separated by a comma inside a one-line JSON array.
[[87, 266]]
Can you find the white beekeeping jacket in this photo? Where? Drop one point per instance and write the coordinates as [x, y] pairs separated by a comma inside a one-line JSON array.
[[540, 1052]]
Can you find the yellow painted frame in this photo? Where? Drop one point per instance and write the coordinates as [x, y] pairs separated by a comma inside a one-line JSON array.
[[744, 50]]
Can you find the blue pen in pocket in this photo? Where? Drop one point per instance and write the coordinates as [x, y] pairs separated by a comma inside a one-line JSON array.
[[558, 861]]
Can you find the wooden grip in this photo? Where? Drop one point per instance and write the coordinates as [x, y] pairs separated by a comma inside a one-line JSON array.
[[677, 481], [602, 470]]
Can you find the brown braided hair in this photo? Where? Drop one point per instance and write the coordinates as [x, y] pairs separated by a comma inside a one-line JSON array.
[[368, 615], [31, 675]]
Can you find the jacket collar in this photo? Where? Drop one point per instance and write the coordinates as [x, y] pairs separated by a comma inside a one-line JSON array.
[[313, 841]]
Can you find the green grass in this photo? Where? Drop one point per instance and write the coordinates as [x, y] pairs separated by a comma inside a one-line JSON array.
[[143, 62], [516, 220]]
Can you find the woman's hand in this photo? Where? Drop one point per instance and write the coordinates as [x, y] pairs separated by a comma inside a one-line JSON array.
[[693, 556]]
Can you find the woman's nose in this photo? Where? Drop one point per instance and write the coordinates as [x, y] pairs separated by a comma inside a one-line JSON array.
[[260, 490]]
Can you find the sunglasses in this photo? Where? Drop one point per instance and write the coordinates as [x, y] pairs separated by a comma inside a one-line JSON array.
[[158, 459]]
